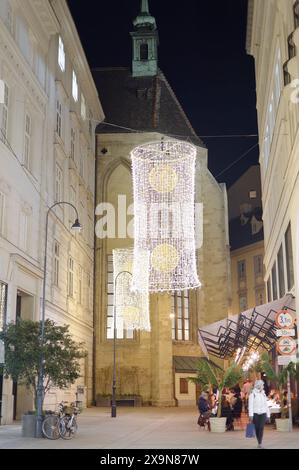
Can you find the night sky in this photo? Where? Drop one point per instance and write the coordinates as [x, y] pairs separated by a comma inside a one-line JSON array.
[[202, 53]]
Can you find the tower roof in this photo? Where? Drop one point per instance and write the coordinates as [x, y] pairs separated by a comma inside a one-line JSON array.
[[145, 20], [141, 103]]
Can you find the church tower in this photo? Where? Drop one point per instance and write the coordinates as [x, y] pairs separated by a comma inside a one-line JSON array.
[[145, 43]]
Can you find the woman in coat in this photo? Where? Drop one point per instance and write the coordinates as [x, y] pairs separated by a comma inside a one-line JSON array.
[[258, 410]]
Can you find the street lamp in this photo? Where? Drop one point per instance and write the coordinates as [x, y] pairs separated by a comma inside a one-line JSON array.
[[113, 401], [76, 227]]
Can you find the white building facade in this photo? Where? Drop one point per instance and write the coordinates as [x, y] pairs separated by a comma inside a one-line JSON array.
[[273, 40], [48, 116]]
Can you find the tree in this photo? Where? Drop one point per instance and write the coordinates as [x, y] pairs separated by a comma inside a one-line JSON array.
[[210, 375], [23, 352], [280, 378]]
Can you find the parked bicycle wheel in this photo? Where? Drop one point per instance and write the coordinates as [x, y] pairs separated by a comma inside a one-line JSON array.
[[68, 427], [51, 427]]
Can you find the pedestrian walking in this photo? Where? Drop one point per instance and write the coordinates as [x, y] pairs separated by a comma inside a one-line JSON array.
[[258, 410]]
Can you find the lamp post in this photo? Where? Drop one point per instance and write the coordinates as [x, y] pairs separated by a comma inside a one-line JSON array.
[[76, 227], [113, 401]]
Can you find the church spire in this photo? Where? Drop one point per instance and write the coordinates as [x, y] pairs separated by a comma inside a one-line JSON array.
[[144, 6], [145, 43]]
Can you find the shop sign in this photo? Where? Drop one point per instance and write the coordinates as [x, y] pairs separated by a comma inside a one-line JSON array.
[[285, 360], [284, 319], [285, 332], [286, 346]]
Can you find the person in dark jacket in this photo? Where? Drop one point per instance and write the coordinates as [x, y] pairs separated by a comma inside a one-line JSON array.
[[203, 405], [226, 412]]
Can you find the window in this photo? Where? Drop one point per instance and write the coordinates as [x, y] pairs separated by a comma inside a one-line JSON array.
[[121, 333], [180, 316], [296, 13], [259, 297], [73, 143], [56, 263], [6, 14], [2, 213], [241, 270], [89, 291], [23, 232], [258, 265], [73, 199], [27, 142], [80, 298], [58, 118], [183, 385], [144, 51], [75, 87], [71, 278], [83, 107], [289, 257], [274, 282], [3, 304], [81, 165], [272, 108], [23, 39], [243, 302], [280, 263], [61, 54], [252, 194], [58, 183], [269, 296], [4, 117]]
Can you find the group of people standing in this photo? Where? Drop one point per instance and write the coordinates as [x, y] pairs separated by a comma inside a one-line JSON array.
[[252, 398]]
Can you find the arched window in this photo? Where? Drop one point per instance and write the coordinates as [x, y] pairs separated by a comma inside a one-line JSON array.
[[144, 51], [296, 13]]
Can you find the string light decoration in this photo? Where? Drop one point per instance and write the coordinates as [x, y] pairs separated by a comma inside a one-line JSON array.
[[164, 247], [131, 307]]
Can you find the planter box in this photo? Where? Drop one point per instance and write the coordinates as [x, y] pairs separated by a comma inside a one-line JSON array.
[[282, 425], [29, 425], [218, 425]]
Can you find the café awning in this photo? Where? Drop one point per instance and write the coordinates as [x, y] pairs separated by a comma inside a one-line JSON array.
[[249, 330]]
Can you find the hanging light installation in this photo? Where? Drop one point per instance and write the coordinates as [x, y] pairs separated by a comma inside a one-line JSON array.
[[164, 247], [131, 308]]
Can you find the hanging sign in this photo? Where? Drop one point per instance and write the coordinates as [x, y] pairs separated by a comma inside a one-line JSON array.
[[286, 346], [284, 319], [285, 332], [285, 360]]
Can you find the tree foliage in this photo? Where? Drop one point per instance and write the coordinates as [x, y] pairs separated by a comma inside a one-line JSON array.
[[23, 352], [280, 377], [210, 375]]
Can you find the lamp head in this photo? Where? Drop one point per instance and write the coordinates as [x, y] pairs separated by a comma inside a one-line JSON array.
[[76, 227]]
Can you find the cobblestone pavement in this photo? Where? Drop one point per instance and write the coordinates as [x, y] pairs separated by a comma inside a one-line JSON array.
[[146, 428]]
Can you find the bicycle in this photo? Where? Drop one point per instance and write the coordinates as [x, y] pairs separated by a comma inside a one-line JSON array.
[[68, 426], [61, 424]]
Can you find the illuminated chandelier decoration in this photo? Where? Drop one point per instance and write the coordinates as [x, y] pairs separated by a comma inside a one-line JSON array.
[[131, 308], [164, 248]]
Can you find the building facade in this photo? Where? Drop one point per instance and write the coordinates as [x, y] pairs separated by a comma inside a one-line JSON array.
[[47, 155], [246, 241], [141, 107], [273, 41]]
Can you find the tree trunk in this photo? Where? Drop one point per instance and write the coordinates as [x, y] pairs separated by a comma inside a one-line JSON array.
[[219, 404]]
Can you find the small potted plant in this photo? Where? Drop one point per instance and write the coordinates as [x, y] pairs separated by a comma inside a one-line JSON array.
[[23, 352], [279, 379], [210, 375]]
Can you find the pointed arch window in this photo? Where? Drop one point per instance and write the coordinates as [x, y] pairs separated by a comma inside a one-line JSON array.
[[144, 51]]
